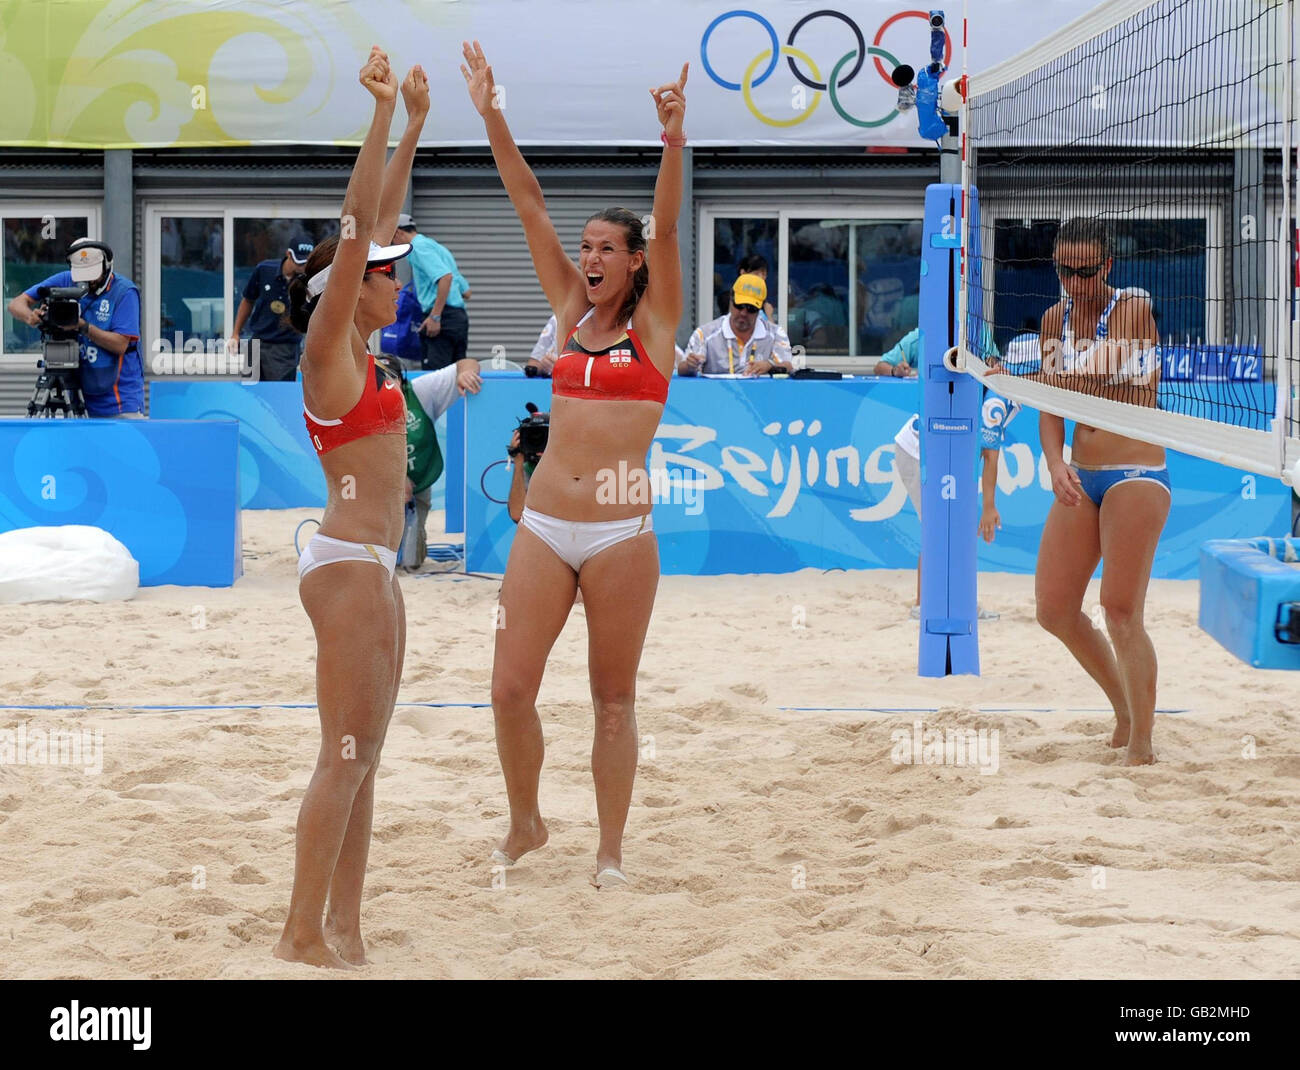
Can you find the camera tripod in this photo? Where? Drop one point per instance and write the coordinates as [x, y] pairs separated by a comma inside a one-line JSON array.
[[57, 393]]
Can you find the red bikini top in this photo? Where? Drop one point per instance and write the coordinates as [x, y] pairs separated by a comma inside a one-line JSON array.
[[620, 372], [381, 410]]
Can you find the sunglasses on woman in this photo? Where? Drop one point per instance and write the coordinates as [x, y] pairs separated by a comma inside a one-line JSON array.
[[382, 269], [1065, 271]]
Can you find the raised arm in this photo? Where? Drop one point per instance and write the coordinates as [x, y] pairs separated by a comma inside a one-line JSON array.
[[397, 175], [662, 301], [559, 276], [331, 322]]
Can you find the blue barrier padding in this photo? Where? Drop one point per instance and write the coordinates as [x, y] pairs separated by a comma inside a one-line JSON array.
[[168, 490], [278, 467], [728, 432], [453, 452], [1245, 584], [950, 404]]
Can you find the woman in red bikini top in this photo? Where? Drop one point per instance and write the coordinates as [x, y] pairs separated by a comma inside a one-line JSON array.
[[586, 520], [622, 371], [357, 422]]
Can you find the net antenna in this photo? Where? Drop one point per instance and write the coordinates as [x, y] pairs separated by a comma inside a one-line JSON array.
[[1165, 130]]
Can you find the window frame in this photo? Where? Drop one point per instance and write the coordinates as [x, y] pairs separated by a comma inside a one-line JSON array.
[[893, 207], [91, 210], [991, 212], [155, 210]]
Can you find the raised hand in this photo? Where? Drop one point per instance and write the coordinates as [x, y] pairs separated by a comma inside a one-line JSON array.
[[670, 100], [415, 93], [378, 77], [478, 77]]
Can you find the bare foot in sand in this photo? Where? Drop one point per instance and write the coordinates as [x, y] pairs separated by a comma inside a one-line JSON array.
[[1120, 736], [522, 839], [347, 943], [1139, 754], [313, 952]]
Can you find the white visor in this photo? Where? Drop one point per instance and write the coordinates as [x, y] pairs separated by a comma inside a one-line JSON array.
[[87, 264], [379, 255]]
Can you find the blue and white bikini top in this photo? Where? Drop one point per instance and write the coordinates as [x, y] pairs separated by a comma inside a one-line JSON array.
[[1069, 355], [1137, 365]]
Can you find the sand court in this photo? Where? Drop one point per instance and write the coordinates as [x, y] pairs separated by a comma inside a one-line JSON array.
[[763, 841]]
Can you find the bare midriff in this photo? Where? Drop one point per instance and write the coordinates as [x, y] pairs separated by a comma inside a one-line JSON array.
[[595, 444], [1094, 448], [367, 490]]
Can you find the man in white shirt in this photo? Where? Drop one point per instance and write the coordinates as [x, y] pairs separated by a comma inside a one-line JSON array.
[[739, 343], [427, 398]]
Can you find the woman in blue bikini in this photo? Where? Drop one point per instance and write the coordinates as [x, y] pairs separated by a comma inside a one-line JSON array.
[[1113, 497]]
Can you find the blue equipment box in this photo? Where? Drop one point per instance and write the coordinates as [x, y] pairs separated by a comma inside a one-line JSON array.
[[1250, 589]]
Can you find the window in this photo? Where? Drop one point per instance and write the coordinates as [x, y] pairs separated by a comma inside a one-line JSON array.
[[736, 238], [845, 283], [192, 256], [1169, 258], [853, 284], [198, 257], [35, 247], [268, 239]]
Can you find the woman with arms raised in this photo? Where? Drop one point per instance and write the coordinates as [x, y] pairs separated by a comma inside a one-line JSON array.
[[617, 311], [356, 419]]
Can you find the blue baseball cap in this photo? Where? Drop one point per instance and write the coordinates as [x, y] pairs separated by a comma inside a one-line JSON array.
[[299, 252]]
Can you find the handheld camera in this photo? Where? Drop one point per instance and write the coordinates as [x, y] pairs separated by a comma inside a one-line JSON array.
[[534, 431]]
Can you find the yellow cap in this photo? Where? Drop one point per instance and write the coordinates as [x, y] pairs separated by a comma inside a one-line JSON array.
[[749, 290]]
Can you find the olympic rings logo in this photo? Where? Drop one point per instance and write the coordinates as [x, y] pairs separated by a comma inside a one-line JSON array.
[[831, 86]]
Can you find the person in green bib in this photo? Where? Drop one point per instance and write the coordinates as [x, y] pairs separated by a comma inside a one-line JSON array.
[[428, 396]]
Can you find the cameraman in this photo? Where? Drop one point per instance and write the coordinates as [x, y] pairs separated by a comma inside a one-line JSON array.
[[111, 371], [524, 461]]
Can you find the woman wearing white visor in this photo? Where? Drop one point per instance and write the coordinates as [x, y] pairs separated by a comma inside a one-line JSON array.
[[357, 422]]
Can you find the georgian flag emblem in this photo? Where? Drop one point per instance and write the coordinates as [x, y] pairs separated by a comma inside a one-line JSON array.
[[620, 357]]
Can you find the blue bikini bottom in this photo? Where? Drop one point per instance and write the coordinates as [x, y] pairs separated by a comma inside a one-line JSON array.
[[1096, 481]]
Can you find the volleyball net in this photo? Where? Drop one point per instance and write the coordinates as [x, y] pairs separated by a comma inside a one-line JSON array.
[[1133, 267]]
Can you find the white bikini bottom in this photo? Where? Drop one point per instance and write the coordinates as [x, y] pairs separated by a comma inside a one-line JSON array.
[[577, 541], [322, 550]]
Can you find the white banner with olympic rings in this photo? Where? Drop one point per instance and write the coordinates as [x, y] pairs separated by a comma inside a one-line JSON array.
[[219, 72]]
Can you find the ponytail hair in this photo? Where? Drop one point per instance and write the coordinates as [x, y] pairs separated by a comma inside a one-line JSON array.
[[301, 303], [631, 224]]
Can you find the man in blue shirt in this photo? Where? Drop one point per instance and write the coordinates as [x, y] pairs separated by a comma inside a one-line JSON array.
[[442, 291], [264, 307], [111, 371], [903, 358]]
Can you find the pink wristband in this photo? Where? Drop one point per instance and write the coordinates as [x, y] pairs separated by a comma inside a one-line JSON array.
[[673, 142]]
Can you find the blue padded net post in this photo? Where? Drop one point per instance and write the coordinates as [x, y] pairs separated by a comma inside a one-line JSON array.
[[950, 403]]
